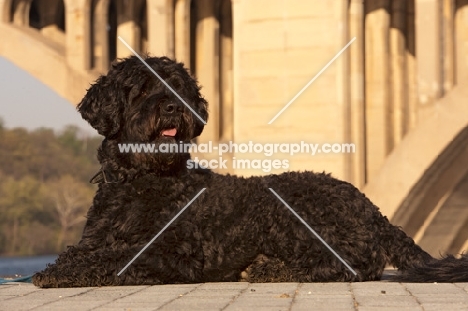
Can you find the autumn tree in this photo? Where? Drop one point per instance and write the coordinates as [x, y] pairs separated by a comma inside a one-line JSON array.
[[20, 201], [44, 187], [71, 199]]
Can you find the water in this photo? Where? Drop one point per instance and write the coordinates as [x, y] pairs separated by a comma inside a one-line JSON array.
[[22, 266]]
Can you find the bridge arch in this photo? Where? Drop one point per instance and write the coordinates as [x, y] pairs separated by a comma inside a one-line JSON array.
[[422, 177]]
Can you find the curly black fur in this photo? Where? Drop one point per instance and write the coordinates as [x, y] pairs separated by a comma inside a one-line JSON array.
[[237, 227], [447, 269]]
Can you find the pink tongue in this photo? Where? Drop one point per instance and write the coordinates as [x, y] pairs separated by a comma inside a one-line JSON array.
[[170, 132]]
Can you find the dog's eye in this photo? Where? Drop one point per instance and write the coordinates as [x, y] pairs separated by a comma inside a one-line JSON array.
[[143, 93]]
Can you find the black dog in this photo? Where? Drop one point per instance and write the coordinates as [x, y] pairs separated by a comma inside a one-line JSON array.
[[236, 226]]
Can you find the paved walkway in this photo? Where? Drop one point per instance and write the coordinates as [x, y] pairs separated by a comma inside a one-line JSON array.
[[241, 296]]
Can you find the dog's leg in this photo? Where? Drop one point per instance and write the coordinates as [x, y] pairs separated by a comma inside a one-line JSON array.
[[174, 259], [77, 271], [176, 256], [273, 269], [264, 269], [80, 267]]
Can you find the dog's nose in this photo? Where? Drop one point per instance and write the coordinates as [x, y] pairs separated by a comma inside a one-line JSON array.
[[170, 108]]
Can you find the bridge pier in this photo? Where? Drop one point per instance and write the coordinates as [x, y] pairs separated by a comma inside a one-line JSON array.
[[100, 36], [127, 27], [159, 31], [77, 17], [206, 65], [21, 13]]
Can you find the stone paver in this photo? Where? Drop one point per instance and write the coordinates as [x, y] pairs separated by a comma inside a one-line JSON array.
[[241, 296]]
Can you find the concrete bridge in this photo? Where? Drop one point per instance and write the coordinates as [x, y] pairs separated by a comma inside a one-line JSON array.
[[399, 92]]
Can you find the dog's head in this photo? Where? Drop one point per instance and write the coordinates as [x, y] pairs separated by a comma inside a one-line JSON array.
[[132, 105]]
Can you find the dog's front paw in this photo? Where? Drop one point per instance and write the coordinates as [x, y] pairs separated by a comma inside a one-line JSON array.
[[55, 276], [44, 280]]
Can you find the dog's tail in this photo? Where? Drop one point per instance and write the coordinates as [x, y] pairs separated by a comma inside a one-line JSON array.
[[415, 265], [446, 270]]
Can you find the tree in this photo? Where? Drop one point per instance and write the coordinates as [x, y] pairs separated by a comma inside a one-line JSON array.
[[20, 200], [41, 208], [69, 139], [71, 199]]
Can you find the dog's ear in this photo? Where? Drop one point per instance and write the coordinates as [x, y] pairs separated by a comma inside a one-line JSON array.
[[203, 113], [100, 109]]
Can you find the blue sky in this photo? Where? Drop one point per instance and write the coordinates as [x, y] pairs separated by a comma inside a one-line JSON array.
[[26, 102]]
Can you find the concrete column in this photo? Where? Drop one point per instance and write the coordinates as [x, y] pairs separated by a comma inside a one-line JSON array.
[[21, 13], [226, 71], [100, 35], [461, 30], [428, 42], [412, 87], [355, 132], [237, 28], [207, 63], [379, 140], [160, 29], [448, 46], [399, 92], [77, 18], [5, 9], [182, 31], [127, 28]]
